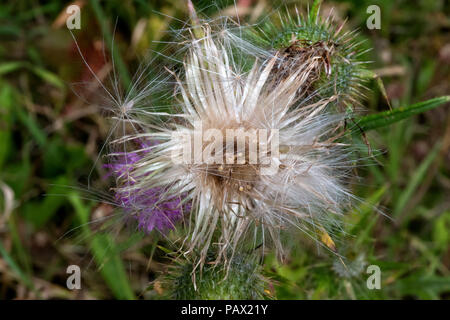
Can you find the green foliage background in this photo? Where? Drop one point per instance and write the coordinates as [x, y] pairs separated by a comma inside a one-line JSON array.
[[50, 139]]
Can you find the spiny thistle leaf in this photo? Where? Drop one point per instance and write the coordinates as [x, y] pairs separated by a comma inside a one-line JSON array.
[[383, 119]]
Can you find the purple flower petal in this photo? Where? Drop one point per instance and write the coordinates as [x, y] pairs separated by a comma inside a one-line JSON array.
[[150, 208]]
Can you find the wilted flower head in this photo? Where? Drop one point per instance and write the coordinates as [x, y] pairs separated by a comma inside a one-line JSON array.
[[206, 152], [335, 52]]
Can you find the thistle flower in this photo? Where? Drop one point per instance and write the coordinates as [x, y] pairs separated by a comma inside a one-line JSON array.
[[297, 180], [145, 207]]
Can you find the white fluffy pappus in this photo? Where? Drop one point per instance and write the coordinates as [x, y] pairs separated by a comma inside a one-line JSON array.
[[233, 202]]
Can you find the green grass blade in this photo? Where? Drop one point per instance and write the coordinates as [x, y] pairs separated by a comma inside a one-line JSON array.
[[386, 118], [118, 61], [8, 67], [367, 218], [6, 122], [423, 286], [416, 179], [15, 268], [106, 254], [45, 75], [49, 77], [40, 212], [30, 123]]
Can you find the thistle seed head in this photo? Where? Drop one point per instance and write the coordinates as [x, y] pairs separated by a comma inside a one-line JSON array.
[[297, 179]]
